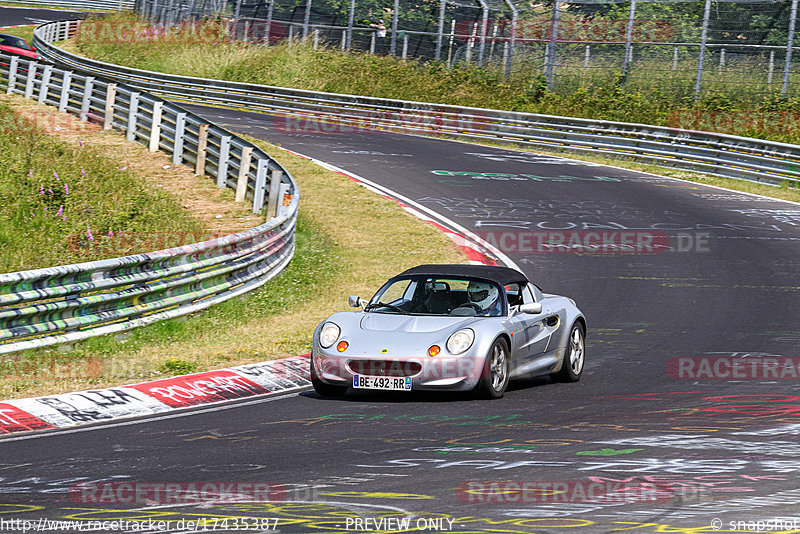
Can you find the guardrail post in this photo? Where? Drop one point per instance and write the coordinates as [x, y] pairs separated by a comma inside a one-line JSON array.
[[133, 113], [202, 144], [155, 131], [86, 102], [180, 131], [30, 79], [44, 88], [286, 199], [261, 188], [274, 189], [12, 74], [224, 157], [66, 82], [244, 168], [111, 98]]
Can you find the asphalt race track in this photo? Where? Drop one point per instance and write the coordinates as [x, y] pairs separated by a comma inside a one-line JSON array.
[[18, 16], [686, 420]]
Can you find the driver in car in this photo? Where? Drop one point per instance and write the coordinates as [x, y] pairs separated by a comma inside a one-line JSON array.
[[485, 296]]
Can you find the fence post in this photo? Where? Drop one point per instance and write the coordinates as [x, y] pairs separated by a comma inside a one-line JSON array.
[[180, 132], [372, 43], [133, 113], [12, 74], [306, 18], [675, 58], [86, 103], [344, 40], [350, 19], [484, 24], [111, 98], [274, 189], [450, 46], [628, 41], [551, 46], [393, 41], [202, 144], [789, 45], [721, 60], [440, 31], [261, 186], [587, 54], [268, 28], [30, 79], [316, 38], [771, 69], [405, 46], [703, 38], [224, 157], [66, 81], [44, 88], [155, 130], [244, 168]]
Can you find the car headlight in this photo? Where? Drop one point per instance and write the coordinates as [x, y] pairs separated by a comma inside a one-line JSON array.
[[328, 335], [460, 341]]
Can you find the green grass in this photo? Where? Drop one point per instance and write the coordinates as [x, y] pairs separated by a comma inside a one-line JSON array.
[[652, 93], [65, 203]]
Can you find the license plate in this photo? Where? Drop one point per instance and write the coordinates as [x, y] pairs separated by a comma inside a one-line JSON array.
[[386, 383]]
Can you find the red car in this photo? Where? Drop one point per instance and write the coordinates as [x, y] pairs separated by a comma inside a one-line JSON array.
[[12, 44]]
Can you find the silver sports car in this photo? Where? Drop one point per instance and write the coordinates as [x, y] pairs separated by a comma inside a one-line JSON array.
[[449, 327]]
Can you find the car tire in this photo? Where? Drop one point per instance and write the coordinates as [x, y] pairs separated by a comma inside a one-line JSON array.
[[323, 388], [496, 366], [575, 356]]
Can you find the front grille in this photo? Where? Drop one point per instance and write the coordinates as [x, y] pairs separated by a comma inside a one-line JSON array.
[[392, 368]]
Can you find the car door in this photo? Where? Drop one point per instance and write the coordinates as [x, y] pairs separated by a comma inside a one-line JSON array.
[[530, 333]]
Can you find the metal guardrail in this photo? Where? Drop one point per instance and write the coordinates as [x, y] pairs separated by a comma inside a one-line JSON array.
[[712, 153], [93, 5], [67, 303]]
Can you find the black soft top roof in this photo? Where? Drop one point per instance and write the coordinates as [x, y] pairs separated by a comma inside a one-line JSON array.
[[501, 275]]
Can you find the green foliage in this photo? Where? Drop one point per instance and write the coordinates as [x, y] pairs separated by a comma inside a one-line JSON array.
[[62, 203]]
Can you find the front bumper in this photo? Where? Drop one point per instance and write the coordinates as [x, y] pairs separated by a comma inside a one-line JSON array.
[[450, 373]]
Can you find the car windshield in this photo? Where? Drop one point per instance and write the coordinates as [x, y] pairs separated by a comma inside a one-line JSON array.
[[439, 295], [10, 40]]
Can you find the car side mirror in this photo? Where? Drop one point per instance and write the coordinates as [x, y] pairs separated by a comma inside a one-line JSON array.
[[531, 307], [355, 301]]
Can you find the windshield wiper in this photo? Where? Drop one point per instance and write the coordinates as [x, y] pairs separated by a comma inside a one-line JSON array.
[[384, 305]]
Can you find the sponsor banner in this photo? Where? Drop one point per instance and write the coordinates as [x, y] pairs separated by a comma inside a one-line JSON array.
[[91, 406], [277, 375], [734, 368], [561, 492], [151, 493], [201, 388], [13, 419]]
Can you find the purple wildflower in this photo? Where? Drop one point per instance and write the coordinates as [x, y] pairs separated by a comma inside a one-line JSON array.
[[60, 211], [89, 234], [83, 173], [56, 175], [41, 189], [66, 189]]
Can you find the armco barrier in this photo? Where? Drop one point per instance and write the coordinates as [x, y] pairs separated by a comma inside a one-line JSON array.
[[706, 152], [72, 302]]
